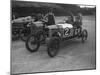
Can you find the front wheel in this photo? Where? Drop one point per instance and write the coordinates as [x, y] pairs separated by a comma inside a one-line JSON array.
[[84, 35], [32, 43], [53, 46]]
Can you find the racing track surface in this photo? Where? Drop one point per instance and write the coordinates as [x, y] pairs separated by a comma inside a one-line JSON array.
[[73, 54]]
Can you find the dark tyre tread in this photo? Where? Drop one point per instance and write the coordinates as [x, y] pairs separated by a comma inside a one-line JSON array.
[[51, 43], [84, 36], [27, 45]]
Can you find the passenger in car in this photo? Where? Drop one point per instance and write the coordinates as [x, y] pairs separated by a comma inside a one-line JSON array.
[[78, 21], [69, 20]]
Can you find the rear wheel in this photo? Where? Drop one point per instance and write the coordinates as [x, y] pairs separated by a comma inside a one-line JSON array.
[[32, 43], [53, 46], [84, 35]]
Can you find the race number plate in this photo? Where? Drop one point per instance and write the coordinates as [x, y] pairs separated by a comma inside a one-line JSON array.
[[66, 32]]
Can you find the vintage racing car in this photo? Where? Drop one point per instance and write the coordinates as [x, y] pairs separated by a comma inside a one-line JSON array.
[[52, 36], [21, 27]]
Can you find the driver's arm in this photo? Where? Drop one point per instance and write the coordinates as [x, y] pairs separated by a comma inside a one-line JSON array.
[[45, 19]]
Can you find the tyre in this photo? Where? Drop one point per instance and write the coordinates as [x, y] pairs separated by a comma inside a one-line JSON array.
[[84, 35], [32, 43], [53, 46]]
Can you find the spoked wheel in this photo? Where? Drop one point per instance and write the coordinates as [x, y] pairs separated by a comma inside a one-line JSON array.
[[32, 43], [84, 35], [53, 46]]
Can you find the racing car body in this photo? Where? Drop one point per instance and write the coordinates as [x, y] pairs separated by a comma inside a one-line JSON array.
[[52, 36], [63, 30]]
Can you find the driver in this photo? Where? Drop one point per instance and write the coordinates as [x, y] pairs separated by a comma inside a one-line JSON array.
[[49, 18]]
